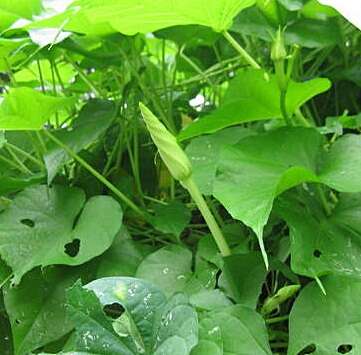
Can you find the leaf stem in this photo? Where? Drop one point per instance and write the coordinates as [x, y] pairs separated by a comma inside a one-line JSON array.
[[23, 167], [26, 155], [241, 50], [84, 77], [4, 282], [11, 163], [283, 96], [324, 201], [96, 174], [193, 189]]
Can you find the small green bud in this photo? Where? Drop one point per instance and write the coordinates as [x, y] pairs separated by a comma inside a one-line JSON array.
[[172, 154], [281, 296], [278, 51]]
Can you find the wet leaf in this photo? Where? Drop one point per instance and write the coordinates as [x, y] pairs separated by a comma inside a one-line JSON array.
[[40, 228]]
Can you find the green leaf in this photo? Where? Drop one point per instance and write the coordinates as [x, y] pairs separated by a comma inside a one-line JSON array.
[[302, 32], [324, 245], [127, 17], [7, 49], [252, 22], [329, 322], [122, 258], [2, 139], [292, 5], [93, 120], [314, 9], [37, 308], [38, 228], [254, 95], [5, 335], [27, 109], [191, 35], [149, 324], [12, 184], [171, 218], [6, 19], [206, 347], [248, 273], [203, 153], [235, 330], [168, 268], [209, 300], [341, 167], [253, 172], [22, 8]]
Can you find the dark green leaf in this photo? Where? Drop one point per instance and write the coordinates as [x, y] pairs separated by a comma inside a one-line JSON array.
[[317, 318], [93, 120], [235, 330], [122, 258], [12, 184], [38, 228], [37, 308], [244, 275], [169, 268], [322, 245], [150, 324], [171, 218]]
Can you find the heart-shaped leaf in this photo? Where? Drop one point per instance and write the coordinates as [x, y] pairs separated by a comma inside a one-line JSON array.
[[145, 322], [129, 17], [322, 245], [235, 330], [253, 95], [37, 308], [40, 228], [253, 172], [317, 323]]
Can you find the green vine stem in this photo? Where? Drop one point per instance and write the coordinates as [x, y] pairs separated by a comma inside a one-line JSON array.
[[26, 155], [247, 57], [212, 224], [96, 174], [180, 168]]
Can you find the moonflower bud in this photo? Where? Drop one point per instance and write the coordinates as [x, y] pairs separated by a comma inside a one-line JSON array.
[[172, 154]]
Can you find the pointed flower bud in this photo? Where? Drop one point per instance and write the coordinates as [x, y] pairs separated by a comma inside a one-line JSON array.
[[172, 154], [278, 51]]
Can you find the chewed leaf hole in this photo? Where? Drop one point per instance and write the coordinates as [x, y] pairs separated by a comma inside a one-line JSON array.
[[317, 253], [114, 310], [344, 348], [28, 222], [309, 349], [72, 248]]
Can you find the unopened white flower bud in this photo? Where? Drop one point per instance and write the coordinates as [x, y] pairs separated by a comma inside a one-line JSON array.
[[170, 151]]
